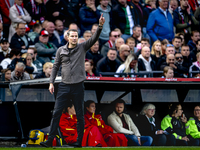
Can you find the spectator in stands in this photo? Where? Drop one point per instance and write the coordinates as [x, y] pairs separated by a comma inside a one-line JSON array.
[[87, 34], [36, 62], [129, 66], [59, 30], [106, 9], [94, 28], [118, 31], [65, 39], [118, 42], [195, 66], [112, 139], [7, 74], [81, 40], [94, 54], [29, 62], [37, 10], [187, 60], [156, 51], [20, 40], [58, 9], [120, 20], [131, 43], [18, 73], [195, 51], [177, 41], [159, 26], [173, 6], [108, 63], [124, 51], [144, 42], [145, 62], [163, 45], [139, 12], [90, 69], [122, 123], [195, 36], [4, 7], [4, 48], [47, 68], [113, 35], [17, 14], [184, 19], [179, 70], [168, 72], [68, 126], [45, 49], [14, 53], [137, 33], [179, 62], [148, 126], [88, 15], [169, 50], [175, 124], [182, 35], [36, 31], [193, 123]]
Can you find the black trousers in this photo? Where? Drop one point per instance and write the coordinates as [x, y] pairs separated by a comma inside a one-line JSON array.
[[67, 92]]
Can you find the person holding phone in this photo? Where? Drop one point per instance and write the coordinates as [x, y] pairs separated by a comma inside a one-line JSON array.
[[175, 123]]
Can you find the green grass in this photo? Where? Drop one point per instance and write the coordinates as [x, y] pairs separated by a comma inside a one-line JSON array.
[[94, 148]]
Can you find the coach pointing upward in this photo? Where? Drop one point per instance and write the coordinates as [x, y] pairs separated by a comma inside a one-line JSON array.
[[72, 58]]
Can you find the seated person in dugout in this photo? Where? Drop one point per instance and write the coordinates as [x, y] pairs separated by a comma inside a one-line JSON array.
[[112, 139], [149, 126], [122, 123], [68, 127], [194, 124], [176, 123]]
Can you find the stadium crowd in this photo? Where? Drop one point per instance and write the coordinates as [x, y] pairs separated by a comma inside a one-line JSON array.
[[137, 36], [120, 128]]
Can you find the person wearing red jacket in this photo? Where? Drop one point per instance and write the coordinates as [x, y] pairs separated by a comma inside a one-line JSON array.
[[68, 127], [112, 139]]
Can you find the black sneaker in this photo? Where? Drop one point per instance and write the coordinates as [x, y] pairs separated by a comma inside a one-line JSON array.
[[46, 144], [76, 144]]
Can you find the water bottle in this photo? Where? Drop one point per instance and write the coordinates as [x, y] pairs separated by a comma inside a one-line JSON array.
[[23, 145]]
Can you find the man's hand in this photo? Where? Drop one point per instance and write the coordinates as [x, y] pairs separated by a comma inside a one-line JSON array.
[[23, 47], [184, 119], [173, 66], [139, 141], [188, 9], [55, 14], [160, 132], [101, 20], [51, 88], [185, 138]]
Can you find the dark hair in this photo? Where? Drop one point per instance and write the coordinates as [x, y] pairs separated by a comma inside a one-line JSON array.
[[19, 24], [68, 104], [90, 61], [165, 41], [72, 30], [194, 32], [119, 101], [172, 108], [13, 52], [113, 49], [136, 26], [5, 70], [145, 39], [36, 26], [88, 102], [177, 37]]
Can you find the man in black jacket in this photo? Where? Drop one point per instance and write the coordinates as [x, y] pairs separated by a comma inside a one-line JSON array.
[[20, 40], [109, 63]]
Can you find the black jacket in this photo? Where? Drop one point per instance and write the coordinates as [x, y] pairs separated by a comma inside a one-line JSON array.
[[178, 126], [94, 56], [105, 65], [142, 67], [181, 71], [193, 54], [119, 17], [17, 42]]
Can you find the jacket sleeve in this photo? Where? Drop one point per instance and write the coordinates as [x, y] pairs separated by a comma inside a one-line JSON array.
[[82, 16], [56, 66], [116, 126], [26, 17], [192, 129], [89, 43], [134, 128], [151, 23]]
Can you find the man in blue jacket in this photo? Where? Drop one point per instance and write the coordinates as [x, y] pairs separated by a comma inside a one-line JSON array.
[[160, 23]]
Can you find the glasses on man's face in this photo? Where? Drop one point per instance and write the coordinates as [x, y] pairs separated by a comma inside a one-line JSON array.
[[197, 110], [169, 45], [116, 36], [177, 58], [19, 72]]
